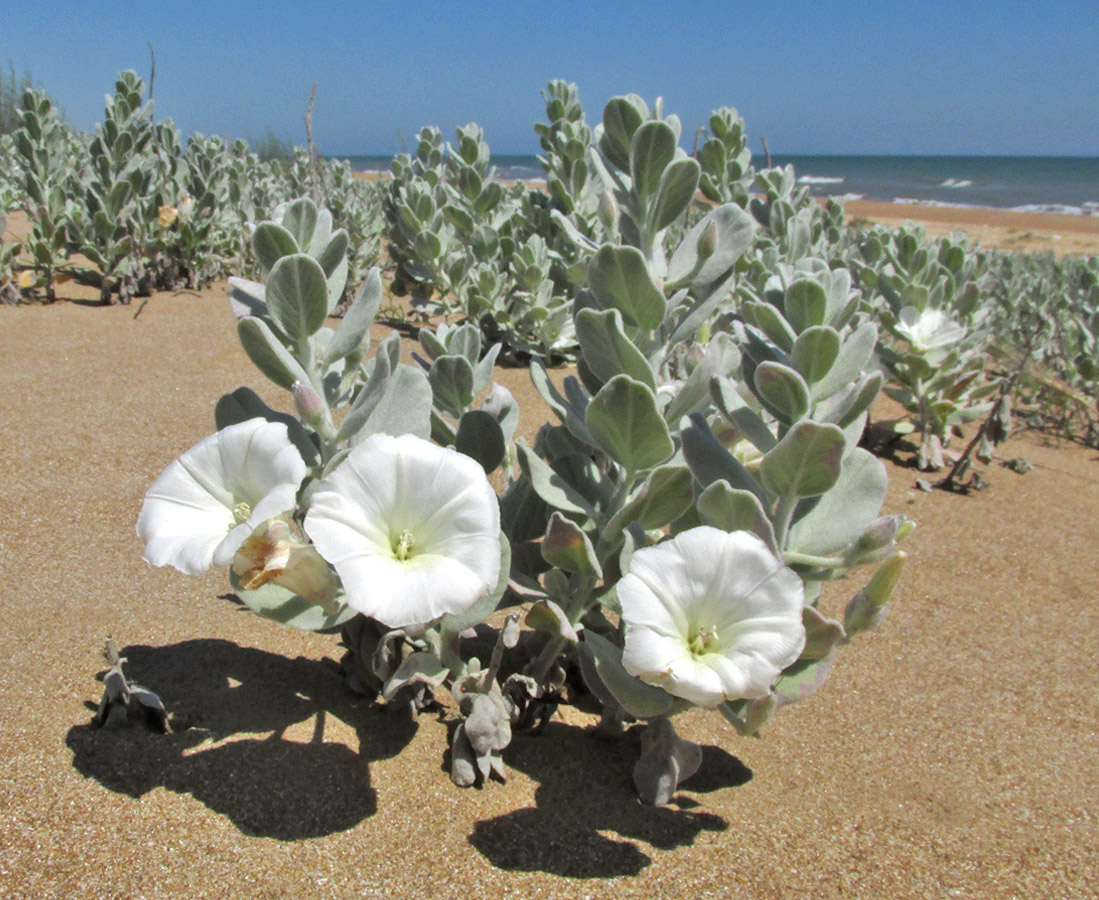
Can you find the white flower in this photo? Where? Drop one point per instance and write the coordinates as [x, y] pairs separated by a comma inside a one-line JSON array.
[[201, 508], [711, 616], [411, 528], [929, 329]]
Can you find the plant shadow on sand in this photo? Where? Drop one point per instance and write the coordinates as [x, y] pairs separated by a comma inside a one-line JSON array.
[[563, 836], [267, 786]]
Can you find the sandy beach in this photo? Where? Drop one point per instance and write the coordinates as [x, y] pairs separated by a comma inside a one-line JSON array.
[[952, 753]]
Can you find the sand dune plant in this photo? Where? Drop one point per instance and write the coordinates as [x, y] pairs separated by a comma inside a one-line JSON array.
[[664, 541]]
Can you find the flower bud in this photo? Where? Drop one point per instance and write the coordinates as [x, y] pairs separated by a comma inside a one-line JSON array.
[[311, 408], [186, 207], [608, 210], [878, 540], [167, 215], [707, 242], [868, 605]]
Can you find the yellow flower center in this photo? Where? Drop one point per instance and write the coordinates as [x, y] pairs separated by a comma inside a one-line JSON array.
[[702, 641], [405, 542], [241, 512]]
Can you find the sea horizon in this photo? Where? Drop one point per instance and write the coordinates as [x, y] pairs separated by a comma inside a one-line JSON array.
[[1025, 183]]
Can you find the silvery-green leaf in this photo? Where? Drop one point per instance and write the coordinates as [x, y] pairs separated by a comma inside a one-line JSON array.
[[607, 350], [771, 322], [625, 423], [621, 118], [620, 280], [322, 233], [465, 340], [782, 390], [814, 352], [566, 546], [710, 461], [268, 353], [451, 379], [404, 408], [420, 667], [746, 421], [603, 660], [676, 190], [806, 304], [842, 514], [547, 616], [480, 436], [806, 462], [247, 298], [802, 679], [300, 219], [730, 509], [271, 242], [853, 357], [297, 295], [334, 252], [482, 372], [663, 497], [570, 410], [735, 229], [652, 148], [353, 335], [550, 486]]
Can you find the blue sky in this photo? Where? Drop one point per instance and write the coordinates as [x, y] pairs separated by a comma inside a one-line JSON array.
[[845, 77]]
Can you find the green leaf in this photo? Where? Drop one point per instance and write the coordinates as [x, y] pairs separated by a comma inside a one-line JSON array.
[[815, 351], [620, 280], [404, 408], [621, 119], [334, 252], [729, 509], [806, 304], [480, 436], [625, 423], [853, 357], [353, 335], [652, 149], [710, 461], [548, 617], [297, 295], [735, 229], [550, 486], [271, 242], [601, 662], [607, 350], [677, 188], [268, 353], [451, 379], [782, 390], [665, 496], [806, 462], [300, 219], [840, 516], [566, 546]]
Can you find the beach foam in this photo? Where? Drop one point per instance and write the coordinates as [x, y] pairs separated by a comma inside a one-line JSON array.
[[819, 179], [957, 183]]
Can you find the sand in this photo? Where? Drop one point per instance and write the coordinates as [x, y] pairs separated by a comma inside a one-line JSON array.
[[952, 754]]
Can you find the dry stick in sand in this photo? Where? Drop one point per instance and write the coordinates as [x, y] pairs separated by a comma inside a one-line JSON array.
[[320, 191], [766, 151], [953, 480]]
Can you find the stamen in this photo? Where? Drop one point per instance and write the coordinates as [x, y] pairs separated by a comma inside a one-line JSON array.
[[405, 543], [703, 639], [241, 512]]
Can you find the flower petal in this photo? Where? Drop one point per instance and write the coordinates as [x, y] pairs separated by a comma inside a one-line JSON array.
[[711, 616], [189, 518], [389, 486]]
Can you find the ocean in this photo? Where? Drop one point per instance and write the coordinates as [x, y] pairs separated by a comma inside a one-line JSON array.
[[1026, 183]]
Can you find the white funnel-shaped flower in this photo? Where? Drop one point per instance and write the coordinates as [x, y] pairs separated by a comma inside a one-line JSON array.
[[711, 616], [411, 528], [202, 507]]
